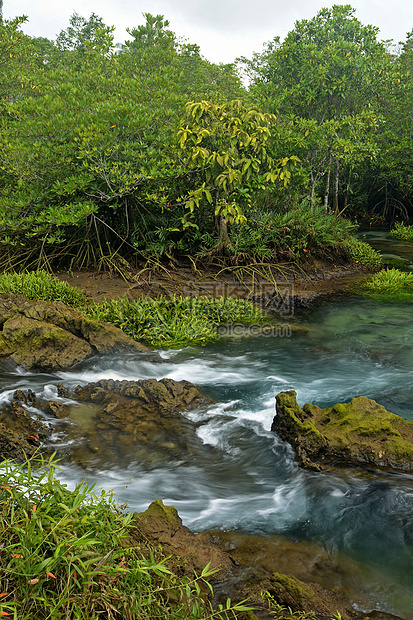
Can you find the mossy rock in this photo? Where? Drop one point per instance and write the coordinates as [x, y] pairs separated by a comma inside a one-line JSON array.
[[292, 592], [358, 432], [45, 336]]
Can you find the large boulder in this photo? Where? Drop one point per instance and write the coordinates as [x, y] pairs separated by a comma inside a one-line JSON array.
[[44, 336], [123, 422], [359, 432]]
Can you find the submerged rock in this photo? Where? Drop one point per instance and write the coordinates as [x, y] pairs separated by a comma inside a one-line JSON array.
[[44, 336], [132, 421], [112, 422], [355, 433]]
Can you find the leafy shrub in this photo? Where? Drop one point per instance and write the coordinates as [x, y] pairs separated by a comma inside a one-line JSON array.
[[37, 285], [401, 231], [65, 554], [300, 229], [389, 285], [362, 253], [174, 320]]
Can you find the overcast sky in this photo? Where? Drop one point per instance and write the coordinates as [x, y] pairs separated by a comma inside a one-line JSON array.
[[224, 29]]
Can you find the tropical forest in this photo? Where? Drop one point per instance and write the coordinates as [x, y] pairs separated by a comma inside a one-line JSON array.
[[206, 335]]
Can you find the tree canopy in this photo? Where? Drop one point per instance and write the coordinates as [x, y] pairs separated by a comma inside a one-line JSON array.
[[147, 148]]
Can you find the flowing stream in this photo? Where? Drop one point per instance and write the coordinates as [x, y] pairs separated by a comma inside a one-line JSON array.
[[240, 476]]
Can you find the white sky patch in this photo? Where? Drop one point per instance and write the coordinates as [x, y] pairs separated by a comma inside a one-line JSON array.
[[224, 29]]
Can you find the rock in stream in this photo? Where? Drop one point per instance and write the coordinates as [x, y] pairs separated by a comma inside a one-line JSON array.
[[360, 432]]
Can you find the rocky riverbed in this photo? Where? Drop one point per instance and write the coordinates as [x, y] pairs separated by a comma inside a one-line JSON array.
[[106, 421]]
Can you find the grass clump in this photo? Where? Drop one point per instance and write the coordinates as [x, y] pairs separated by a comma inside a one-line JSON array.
[[65, 555], [402, 231], [363, 254], [269, 234], [40, 285], [174, 320], [389, 285]]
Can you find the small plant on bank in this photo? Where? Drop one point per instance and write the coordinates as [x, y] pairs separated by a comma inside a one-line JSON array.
[[363, 254], [40, 285], [66, 554], [389, 285], [273, 234], [402, 231], [174, 320]]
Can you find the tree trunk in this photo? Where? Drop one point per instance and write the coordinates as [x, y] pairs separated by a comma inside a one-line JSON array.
[[223, 231], [312, 189], [327, 194], [347, 191], [335, 198]]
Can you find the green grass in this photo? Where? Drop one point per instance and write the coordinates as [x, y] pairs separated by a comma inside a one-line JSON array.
[[363, 254], [66, 555], [174, 320], [40, 285], [402, 231], [166, 321], [389, 285]]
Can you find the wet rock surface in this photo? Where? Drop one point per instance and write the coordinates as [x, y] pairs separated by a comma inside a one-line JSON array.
[[21, 434], [43, 336], [361, 432], [301, 576], [104, 423], [163, 526], [134, 421]]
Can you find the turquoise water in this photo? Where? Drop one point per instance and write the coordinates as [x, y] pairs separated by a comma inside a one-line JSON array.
[[240, 476]]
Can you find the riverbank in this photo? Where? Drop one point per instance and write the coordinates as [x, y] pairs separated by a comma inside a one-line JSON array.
[[76, 552], [304, 284]]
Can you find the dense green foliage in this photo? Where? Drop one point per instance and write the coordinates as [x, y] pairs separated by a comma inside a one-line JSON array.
[[66, 554], [343, 99], [389, 285], [147, 149], [168, 321], [41, 285], [362, 253], [174, 320], [402, 232], [273, 236]]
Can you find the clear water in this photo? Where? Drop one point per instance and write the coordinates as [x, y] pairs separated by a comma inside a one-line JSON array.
[[240, 476]]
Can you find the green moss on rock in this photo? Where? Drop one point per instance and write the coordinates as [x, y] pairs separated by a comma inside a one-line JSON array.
[[361, 431], [292, 592]]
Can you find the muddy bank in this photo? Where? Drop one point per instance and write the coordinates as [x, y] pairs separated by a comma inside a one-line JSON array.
[[277, 288]]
